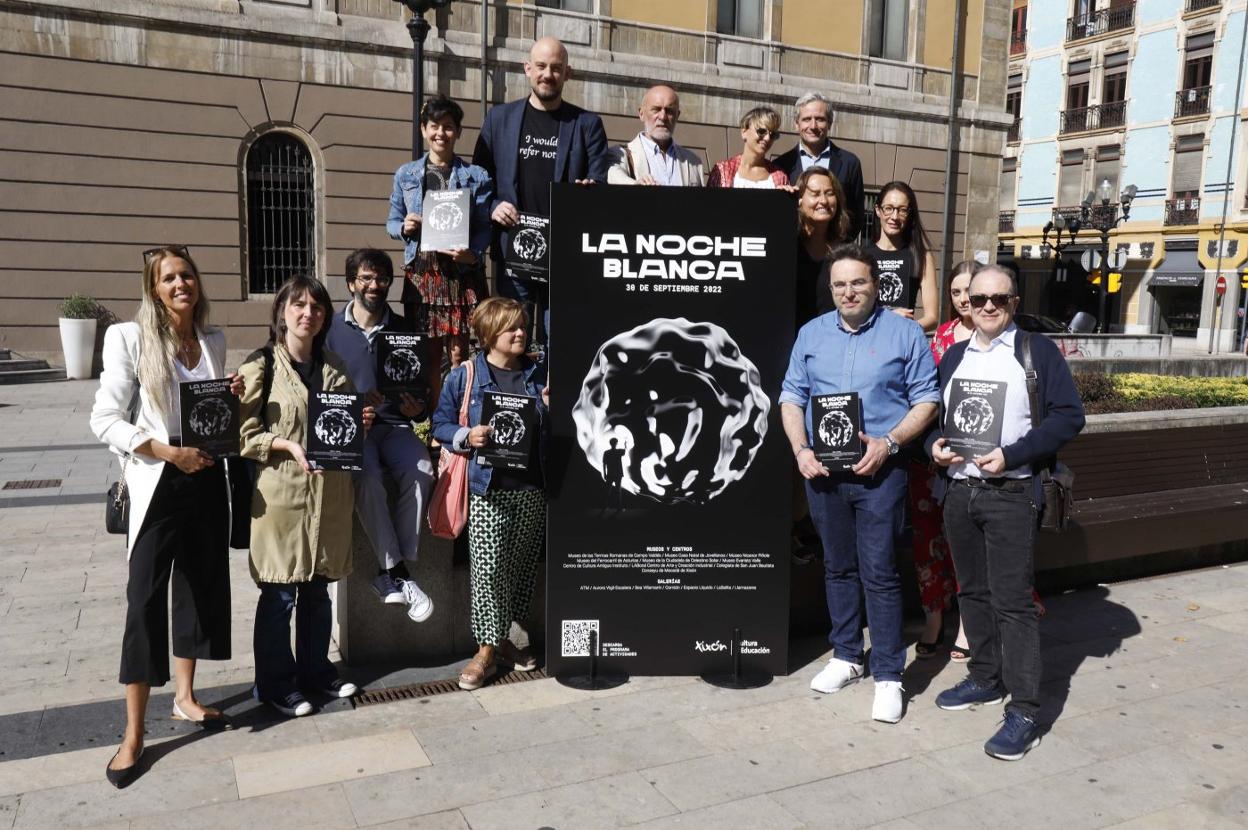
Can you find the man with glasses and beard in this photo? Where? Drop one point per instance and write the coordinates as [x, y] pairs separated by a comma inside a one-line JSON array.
[[863, 348], [526, 145], [391, 446], [991, 508]]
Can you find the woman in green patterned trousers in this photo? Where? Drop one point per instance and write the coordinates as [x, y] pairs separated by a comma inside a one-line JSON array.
[[507, 504]]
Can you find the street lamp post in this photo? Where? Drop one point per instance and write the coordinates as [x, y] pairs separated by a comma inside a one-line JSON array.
[[418, 28], [1103, 222], [1057, 226]]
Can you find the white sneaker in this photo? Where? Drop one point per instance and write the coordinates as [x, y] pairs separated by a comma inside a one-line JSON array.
[[887, 705], [419, 606], [836, 675], [387, 589]]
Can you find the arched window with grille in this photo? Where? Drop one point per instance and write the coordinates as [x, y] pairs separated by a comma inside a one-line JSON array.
[[281, 212]]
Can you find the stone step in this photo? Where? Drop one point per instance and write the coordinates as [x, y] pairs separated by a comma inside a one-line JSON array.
[[43, 375], [20, 364]]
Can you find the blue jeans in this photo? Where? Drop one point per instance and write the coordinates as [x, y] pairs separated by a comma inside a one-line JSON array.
[[857, 520], [278, 671]]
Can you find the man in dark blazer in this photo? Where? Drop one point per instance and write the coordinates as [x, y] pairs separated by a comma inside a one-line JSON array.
[[527, 144], [815, 149]]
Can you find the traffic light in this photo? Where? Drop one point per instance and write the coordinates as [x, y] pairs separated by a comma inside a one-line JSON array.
[[1094, 277], [1115, 282], [1243, 280]]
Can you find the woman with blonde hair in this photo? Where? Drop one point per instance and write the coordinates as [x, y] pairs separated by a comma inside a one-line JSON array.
[[507, 509], [179, 522], [760, 127]]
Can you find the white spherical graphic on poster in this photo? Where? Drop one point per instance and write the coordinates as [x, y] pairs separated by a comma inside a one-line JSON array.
[[973, 416], [682, 402], [335, 427], [890, 288], [508, 428], [210, 417], [835, 429], [445, 217], [402, 366], [529, 244]]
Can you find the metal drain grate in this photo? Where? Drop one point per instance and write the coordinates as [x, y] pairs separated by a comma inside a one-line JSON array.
[[437, 687], [32, 484]]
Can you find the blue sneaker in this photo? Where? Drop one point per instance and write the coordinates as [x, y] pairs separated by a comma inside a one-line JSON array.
[[969, 693], [1017, 734]]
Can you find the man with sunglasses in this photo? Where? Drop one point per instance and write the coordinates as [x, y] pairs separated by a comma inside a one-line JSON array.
[[813, 119], [991, 508], [654, 157], [391, 446], [884, 357]]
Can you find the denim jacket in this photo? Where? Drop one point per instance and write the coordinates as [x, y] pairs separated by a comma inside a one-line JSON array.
[[409, 191], [454, 437]]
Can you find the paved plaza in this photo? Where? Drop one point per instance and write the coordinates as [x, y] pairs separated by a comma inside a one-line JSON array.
[[1146, 683]]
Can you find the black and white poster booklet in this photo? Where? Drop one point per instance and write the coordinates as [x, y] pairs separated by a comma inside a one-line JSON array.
[[209, 416], [445, 220], [336, 431], [401, 359], [528, 256], [974, 416], [836, 421], [513, 421]]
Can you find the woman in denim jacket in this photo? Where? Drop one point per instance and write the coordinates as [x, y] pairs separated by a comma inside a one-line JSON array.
[[506, 508], [441, 288]]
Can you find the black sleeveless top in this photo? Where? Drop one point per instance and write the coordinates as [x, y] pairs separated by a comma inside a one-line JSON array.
[[899, 282]]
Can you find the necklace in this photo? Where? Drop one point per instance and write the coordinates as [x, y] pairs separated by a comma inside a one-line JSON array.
[[188, 352]]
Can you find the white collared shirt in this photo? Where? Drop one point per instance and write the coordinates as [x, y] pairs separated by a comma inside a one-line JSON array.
[[664, 167], [997, 363], [369, 334], [824, 159]]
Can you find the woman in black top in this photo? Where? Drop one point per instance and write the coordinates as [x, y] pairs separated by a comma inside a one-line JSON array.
[[822, 222], [903, 253]]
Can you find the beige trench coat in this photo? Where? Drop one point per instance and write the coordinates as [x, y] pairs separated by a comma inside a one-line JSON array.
[[300, 523]]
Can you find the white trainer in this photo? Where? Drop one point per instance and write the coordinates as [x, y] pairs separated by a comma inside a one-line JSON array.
[[419, 606], [387, 589], [836, 675], [887, 705]]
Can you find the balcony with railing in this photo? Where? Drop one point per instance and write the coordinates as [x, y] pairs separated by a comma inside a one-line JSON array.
[[1013, 133], [1183, 211], [1201, 5], [1194, 101], [1100, 22], [1018, 43], [1099, 214], [1096, 117], [1005, 222]]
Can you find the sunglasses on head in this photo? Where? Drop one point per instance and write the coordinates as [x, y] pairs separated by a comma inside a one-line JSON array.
[[176, 250], [998, 300]]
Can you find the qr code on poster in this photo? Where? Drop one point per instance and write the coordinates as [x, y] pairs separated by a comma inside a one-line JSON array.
[[575, 641]]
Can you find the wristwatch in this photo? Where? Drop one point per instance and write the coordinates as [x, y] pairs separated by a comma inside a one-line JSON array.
[[893, 446]]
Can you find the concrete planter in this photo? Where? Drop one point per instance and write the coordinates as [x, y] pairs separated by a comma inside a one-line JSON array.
[[78, 347]]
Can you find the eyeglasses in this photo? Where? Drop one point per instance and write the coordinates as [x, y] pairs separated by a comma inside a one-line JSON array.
[[376, 279], [901, 211], [998, 300], [176, 250], [763, 132], [857, 285]]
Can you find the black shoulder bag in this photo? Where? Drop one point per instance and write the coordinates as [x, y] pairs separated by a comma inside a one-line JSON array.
[[1057, 481], [117, 499], [243, 471]]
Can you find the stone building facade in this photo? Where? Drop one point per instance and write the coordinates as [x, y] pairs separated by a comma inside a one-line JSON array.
[[232, 125]]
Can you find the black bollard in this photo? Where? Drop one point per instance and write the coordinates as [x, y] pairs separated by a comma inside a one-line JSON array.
[[737, 679]]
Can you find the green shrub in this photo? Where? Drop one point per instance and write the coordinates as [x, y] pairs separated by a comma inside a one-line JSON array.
[[80, 307], [1094, 386], [1134, 392]]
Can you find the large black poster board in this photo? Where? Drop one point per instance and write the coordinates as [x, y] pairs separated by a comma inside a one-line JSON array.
[[670, 476]]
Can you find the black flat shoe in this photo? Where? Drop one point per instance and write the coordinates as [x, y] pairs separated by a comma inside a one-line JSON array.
[[122, 778], [924, 650], [214, 722]]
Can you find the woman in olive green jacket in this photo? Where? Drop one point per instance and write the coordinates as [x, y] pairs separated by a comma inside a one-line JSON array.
[[300, 516]]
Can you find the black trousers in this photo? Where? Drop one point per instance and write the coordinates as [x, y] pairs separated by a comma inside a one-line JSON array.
[[991, 528], [184, 540]]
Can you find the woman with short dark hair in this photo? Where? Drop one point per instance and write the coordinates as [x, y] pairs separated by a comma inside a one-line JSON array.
[[441, 288], [179, 523], [300, 516]]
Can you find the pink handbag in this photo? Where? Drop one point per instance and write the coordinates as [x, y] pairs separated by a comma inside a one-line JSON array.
[[448, 510]]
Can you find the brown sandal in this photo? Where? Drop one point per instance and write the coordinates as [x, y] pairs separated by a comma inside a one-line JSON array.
[[476, 673]]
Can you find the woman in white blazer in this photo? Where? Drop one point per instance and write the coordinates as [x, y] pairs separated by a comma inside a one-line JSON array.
[[179, 498]]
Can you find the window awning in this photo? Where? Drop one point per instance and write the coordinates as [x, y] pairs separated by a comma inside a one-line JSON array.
[[1180, 268]]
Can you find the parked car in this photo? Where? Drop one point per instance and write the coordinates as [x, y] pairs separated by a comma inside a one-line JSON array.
[[1038, 323]]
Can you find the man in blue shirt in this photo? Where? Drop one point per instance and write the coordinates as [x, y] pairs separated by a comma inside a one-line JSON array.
[[391, 445], [884, 357]]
